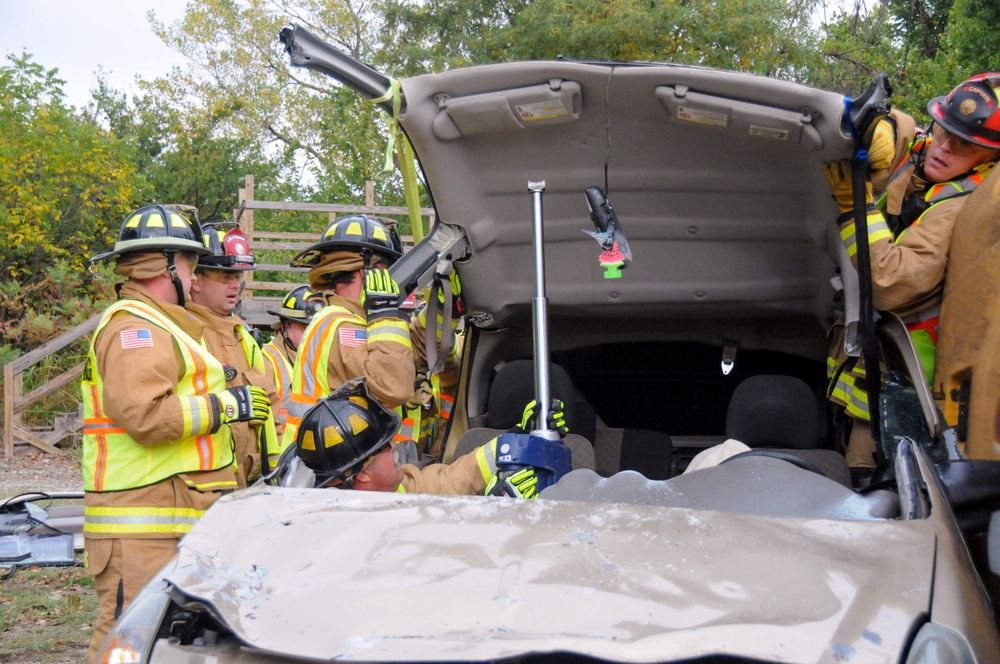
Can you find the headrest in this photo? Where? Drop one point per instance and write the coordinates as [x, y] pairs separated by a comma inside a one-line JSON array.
[[774, 411], [514, 386]]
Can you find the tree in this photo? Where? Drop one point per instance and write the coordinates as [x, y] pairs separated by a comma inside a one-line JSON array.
[[242, 78], [185, 155], [66, 183], [759, 36]]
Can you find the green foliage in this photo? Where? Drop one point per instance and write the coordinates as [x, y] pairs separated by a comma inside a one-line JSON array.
[[34, 312], [185, 153], [759, 36], [972, 38], [65, 184]]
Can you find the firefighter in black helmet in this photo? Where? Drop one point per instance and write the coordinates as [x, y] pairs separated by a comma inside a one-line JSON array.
[[910, 223], [214, 297], [346, 439], [157, 445], [295, 313], [360, 331]]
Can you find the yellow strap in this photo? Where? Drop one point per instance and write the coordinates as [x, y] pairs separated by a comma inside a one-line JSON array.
[[400, 144]]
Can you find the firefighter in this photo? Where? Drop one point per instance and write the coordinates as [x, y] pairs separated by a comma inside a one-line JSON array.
[[157, 448], [360, 331], [296, 312], [347, 441], [214, 296], [910, 228]]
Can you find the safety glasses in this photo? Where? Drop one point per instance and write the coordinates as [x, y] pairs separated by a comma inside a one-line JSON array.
[[959, 146]]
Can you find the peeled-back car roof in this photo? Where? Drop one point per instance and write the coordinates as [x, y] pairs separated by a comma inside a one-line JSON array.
[[714, 175]]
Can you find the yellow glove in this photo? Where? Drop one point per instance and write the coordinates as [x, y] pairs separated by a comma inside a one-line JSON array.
[[556, 419], [379, 295], [520, 484], [882, 149], [838, 174]]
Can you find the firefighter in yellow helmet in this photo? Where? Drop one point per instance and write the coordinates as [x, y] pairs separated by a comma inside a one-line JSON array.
[[214, 296], [360, 331], [927, 175], [157, 446], [296, 312]]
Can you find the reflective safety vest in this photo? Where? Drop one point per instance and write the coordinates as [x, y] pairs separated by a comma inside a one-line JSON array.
[[310, 377], [282, 374], [255, 359], [112, 460]]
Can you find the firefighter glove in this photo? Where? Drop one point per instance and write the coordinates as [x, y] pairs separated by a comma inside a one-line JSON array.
[[380, 296], [518, 484], [247, 403], [556, 419], [838, 174], [882, 149]]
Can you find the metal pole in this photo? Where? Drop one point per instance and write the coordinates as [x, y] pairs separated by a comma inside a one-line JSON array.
[[540, 321]]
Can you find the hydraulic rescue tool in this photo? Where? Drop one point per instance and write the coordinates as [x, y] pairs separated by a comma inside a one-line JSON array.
[[542, 448]]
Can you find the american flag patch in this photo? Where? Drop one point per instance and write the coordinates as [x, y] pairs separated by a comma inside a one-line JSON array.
[[136, 339], [349, 337]]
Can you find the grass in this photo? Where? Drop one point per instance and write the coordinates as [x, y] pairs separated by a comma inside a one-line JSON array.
[[46, 615]]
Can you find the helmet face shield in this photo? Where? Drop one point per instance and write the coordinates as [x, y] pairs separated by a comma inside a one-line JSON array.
[[970, 111], [343, 431]]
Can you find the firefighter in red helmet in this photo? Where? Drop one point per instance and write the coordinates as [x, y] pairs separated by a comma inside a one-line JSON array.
[[910, 222]]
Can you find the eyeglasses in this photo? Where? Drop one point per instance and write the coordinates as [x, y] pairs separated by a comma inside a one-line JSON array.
[[959, 146], [221, 276]]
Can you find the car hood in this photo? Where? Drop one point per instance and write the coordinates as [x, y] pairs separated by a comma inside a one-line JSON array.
[[329, 574], [715, 177]]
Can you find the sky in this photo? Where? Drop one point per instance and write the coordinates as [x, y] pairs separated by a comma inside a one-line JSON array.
[[78, 36]]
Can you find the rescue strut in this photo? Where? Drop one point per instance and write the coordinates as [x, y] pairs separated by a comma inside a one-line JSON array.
[[542, 448]]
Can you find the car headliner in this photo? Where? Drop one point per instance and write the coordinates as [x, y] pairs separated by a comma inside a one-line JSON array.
[[714, 175]]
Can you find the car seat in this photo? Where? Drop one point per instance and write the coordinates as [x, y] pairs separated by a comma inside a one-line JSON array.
[[781, 412], [642, 450], [513, 387]]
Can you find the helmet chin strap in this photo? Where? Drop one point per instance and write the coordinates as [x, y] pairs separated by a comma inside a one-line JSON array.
[[284, 337], [174, 277]]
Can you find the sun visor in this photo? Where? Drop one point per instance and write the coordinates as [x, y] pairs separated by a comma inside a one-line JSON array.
[[738, 117], [554, 102]]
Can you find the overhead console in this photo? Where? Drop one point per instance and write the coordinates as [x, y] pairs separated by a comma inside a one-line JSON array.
[[550, 103], [741, 118]]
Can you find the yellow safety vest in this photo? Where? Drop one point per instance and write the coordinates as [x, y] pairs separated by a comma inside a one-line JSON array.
[[256, 360], [112, 460], [310, 378], [282, 374]]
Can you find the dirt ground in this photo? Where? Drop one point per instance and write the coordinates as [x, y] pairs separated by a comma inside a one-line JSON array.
[[31, 469]]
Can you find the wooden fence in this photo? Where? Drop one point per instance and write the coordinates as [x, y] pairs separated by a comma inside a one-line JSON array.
[[253, 309], [253, 306]]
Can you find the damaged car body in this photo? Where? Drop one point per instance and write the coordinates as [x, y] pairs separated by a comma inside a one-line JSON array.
[[732, 274]]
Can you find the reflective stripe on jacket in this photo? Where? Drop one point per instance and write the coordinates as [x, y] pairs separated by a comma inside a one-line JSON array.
[[310, 377], [282, 374], [112, 460]]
